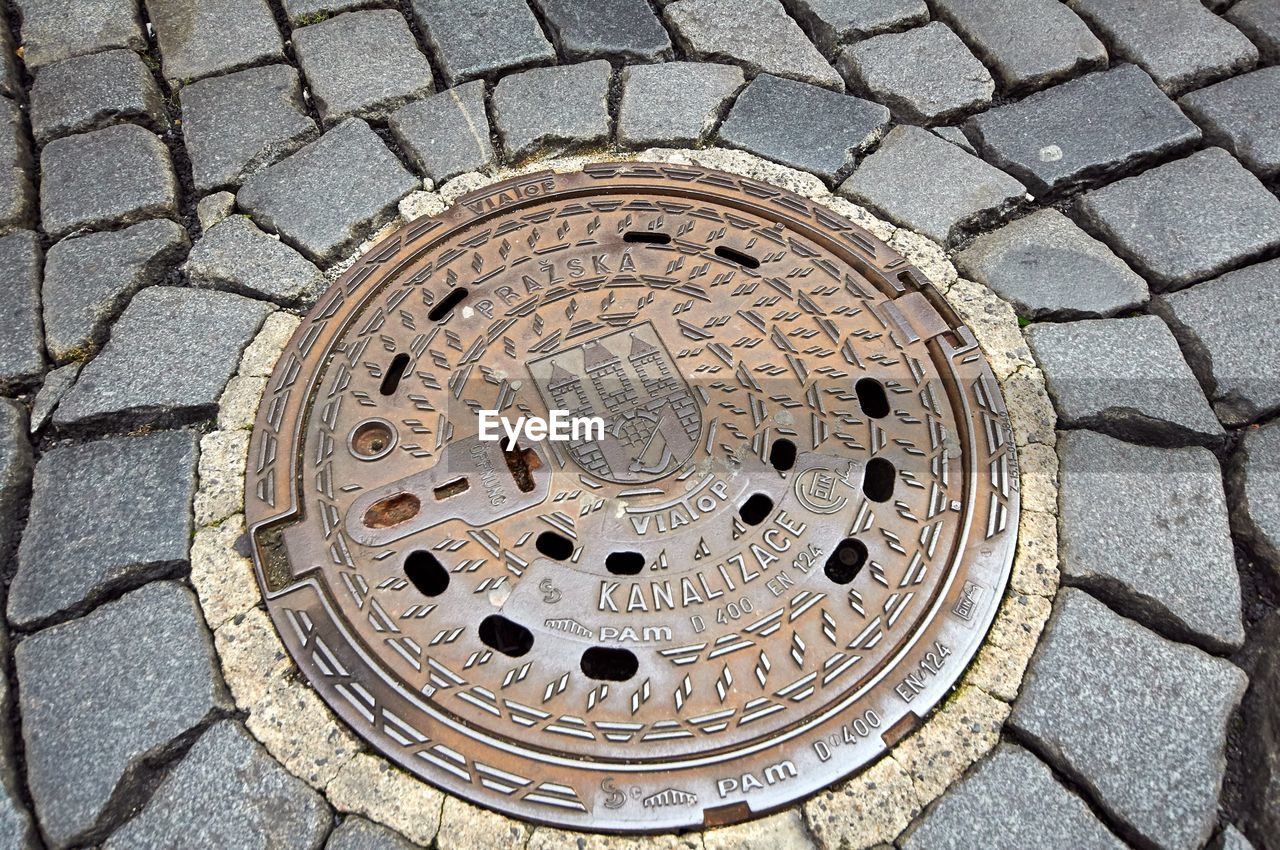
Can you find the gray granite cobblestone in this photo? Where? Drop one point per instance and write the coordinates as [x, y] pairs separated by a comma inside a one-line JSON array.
[[114, 176], [925, 75], [103, 694], [1027, 43], [446, 134], [1180, 43], [482, 38], [621, 30], [553, 110], [730, 31], [21, 331], [832, 23], [106, 515], [1242, 115], [89, 279], [803, 126], [362, 63], [200, 38], [237, 124], [58, 29], [1260, 21], [674, 103], [1187, 220], [235, 256], [88, 92], [1083, 130]]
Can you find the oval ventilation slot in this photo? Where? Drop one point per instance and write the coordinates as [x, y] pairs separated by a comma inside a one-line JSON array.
[[506, 636], [609, 663], [745, 260], [554, 546], [872, 398], [877, 480], [646, 237], [846, 561], [446, 305], [395, 371], [426, 573], [782, 455], [624, 563], [755, 509]]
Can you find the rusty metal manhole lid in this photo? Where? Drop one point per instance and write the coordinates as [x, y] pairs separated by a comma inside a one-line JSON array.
[[780, 553]]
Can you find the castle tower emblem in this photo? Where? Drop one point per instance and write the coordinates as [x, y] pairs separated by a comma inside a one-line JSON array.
[[652, 418]]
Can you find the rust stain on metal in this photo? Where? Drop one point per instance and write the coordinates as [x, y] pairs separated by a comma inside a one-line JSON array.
[[787, 543]]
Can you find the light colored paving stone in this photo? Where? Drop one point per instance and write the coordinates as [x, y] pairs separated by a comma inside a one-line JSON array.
[[923, 183], [674, 103], [1147, 529], [1049, 268], [925, 75], [371, 787], [1010, 802], [1142, 721], [227, 792], [1123, 376], [869, 809], [731, 30]]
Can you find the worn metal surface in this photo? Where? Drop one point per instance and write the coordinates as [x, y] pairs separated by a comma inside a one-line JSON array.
[[787, 546]]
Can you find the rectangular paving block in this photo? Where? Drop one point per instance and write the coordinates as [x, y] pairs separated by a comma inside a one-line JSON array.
[[88, 92], [1187, 220], [89, 279], [236, 124], [832, 23], [553, 110], [1229, 328], [759, 35], [1260, 21], [623, 30], [21, 330], [1083, 130], [17, 192], [58, 29], [1027, 43], [446, 134], [113, 176], [925, 75], [168, 360], [929, 185], [1047, 267], [106, 515], [199, 38], [803, 126], [331, 194], [481, 38], [361, 63], [1125, 377], [1242, 115], [674, 103], [1180, 43]]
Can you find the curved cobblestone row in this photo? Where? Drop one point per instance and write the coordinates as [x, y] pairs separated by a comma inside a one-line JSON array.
[[1092, 184]]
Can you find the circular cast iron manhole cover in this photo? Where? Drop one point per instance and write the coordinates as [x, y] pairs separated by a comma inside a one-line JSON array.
[[782, 551]]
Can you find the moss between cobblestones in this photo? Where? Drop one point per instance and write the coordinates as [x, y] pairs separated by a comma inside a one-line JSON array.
[[874, 807]]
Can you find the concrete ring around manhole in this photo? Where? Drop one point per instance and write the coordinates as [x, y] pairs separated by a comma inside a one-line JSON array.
[[769, 573]]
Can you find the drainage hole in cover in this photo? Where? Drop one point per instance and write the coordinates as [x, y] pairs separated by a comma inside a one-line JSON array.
[[877, 480], [846, 561], [426, 573], [609, 664], [646, 237], [446, 305], [755, 509], [391, 379], [554, 546], [624, 563], [449, 489], [506, 636], [737, 257], [782, 455], [391, 511], [872, 398]]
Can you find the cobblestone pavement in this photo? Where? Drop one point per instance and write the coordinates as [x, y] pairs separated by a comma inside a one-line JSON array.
[[177, 170]]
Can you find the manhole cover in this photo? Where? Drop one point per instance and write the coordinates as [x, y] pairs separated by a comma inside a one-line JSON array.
[[780, 552]]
